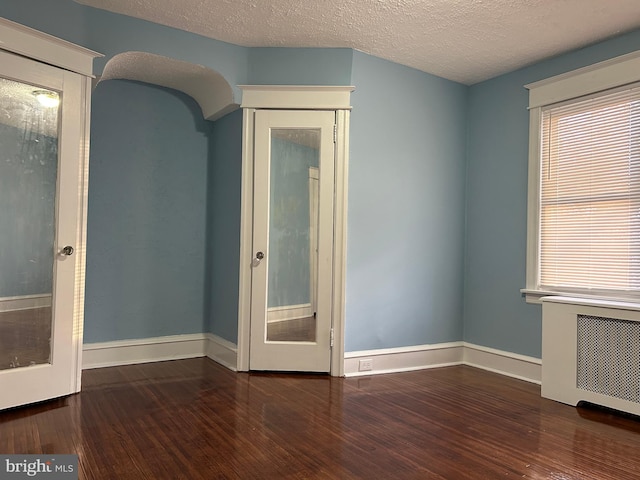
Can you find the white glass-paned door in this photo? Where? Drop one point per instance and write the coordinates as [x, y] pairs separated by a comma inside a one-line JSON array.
[[293, 241], [39, 176]]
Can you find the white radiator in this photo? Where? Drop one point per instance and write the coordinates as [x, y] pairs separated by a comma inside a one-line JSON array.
[[591, 352]]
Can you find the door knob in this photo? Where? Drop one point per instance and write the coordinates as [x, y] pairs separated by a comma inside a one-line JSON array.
[[68, 250], [257, 259]]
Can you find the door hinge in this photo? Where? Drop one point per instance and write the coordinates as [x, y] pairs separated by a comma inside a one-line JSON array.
[[331, 338], [335, 133]]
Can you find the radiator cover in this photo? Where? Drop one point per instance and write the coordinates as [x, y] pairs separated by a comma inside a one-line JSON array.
[[591, 352]]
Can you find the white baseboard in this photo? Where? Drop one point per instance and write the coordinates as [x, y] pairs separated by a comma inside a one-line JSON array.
[[24, 302], [390, 360], [510, 364], [158, 349], [144, 350], [405, 359], [506, 363], [222, 351]]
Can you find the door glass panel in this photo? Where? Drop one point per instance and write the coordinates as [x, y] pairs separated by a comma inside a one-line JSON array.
[[28, 173], [293, 235]]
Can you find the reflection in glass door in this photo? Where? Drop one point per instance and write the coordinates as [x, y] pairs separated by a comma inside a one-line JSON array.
[[29, 122], [293, 241], [292, 253]]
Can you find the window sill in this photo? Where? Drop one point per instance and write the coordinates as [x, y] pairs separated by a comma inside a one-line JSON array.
[[536, 296]]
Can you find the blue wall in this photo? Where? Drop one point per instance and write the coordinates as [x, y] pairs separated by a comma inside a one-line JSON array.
[[300, 66], [496, 315], [223, 226], [163, 181], [406, 207], [62, 18], [147, 213]]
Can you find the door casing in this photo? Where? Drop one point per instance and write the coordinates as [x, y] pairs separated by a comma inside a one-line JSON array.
[[333, 98]]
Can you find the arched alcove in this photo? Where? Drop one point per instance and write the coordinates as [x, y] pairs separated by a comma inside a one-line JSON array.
[[206, 86]]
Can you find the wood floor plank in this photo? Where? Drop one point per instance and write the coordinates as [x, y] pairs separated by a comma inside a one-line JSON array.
[[193, 419]]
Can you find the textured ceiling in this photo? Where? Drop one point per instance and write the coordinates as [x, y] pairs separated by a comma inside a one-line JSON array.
[[463, 40]]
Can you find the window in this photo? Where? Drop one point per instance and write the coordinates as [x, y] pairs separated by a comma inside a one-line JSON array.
[[584, 185]]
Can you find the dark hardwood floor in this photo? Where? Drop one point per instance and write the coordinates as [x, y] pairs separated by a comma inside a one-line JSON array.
[[193, 419]]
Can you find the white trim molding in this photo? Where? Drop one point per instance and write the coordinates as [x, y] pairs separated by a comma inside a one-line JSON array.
[[294, 97], [614, 73], [25, 302], [143, 350], [404, 359], [419, 357], [159, 349], [598, 77], [343, 120], [510, 364], [43, 47], [246, 238]]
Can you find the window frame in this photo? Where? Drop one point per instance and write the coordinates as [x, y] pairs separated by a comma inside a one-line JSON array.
[[598, 78]]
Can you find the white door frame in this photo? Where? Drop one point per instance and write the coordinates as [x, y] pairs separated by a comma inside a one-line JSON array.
[[291, 98]]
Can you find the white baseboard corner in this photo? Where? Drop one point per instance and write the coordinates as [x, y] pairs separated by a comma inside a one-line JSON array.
[[405, 359], [510, 364], [158, 349], [222, 351]]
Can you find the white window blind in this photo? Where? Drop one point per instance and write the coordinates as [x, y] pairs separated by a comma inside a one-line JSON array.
[[589, 232]]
